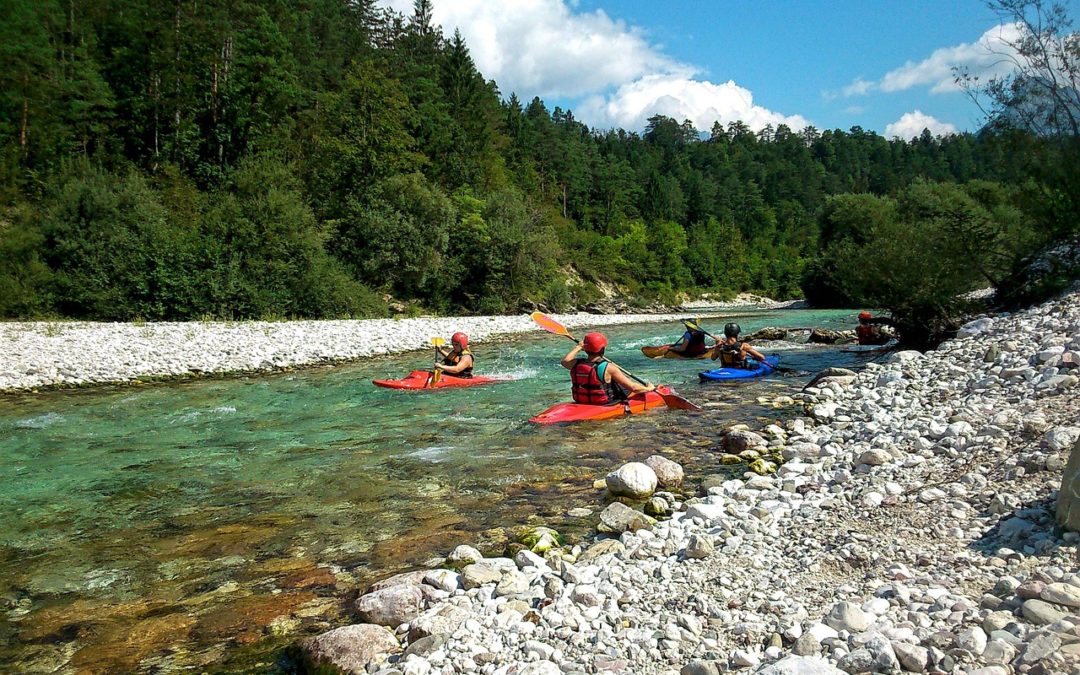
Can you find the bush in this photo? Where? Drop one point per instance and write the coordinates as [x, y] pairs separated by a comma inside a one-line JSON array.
[[916, 256], [114, 252], [24, 278]]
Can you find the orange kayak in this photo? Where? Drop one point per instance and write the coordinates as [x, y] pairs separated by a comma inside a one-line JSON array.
[[578, 412], [664, 352], [418, 379]]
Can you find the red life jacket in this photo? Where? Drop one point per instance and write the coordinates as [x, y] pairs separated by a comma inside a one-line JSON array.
[[695, 343], [868, 334], [588, 386]]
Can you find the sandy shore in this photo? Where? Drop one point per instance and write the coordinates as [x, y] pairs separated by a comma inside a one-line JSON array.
[[71, 354]]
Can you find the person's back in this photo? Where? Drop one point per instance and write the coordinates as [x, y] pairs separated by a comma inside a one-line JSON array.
[[692, 342], [587, 383], [732, 352], [594, 380], [869, 332]]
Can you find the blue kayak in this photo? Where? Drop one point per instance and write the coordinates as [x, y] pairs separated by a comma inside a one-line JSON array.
[[755, 370]]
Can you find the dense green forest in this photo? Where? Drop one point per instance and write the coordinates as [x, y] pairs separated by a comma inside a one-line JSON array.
[[309, 158]]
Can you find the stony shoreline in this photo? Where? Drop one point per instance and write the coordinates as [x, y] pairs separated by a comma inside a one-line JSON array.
[[37, 355], [911, 528]]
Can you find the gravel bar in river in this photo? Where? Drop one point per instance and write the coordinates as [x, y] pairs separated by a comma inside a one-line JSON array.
[[70, 354]]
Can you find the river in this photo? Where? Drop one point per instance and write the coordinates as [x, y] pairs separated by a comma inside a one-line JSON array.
[[205, 523]]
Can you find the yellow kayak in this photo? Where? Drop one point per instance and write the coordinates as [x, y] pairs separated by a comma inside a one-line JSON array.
[[664, 352]]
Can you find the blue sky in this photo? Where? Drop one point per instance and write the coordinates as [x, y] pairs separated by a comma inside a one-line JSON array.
[[885, 66]]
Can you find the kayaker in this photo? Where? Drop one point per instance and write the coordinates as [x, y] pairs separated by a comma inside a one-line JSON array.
[[596, 381], [692, 342], [457, 361], [732, 353], [869, 329]]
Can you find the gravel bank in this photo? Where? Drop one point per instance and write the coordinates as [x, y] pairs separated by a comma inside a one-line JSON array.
[[71, 354], [910, 529]]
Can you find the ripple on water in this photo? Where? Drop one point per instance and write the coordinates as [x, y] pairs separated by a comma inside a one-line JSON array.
[[40, 421], [433, 454]]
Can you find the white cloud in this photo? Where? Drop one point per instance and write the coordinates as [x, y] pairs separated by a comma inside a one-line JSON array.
[[545, 48], [910, 125], [991, 55], [548, 48], [700, 101]]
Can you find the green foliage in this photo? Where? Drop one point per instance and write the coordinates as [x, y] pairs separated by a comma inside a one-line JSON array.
[[24, 278], [917, 256], [252, 159]]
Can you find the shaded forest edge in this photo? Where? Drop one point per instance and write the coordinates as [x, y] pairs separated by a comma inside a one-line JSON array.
[[257, 159]]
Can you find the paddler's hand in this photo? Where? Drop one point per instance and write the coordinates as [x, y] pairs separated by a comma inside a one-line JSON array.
[[650, 387]]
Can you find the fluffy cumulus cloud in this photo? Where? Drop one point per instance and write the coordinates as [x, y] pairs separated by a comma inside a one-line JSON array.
[[991, 55], [549, 49], [544, 48], [700, 101], [910, 125]]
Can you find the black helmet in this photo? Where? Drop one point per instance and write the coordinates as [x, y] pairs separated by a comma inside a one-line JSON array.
[[732, 330]]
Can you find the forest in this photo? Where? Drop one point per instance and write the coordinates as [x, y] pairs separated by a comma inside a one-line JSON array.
[[319, 158]]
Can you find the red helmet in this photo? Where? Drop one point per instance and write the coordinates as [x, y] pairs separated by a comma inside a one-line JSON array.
[[460, 339], [864, 316], [594, 343]]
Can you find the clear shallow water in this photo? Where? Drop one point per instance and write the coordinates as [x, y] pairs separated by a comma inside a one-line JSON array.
[[158, 527]]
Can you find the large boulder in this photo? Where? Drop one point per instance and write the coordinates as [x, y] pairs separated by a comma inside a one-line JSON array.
[[633, 479], [391, 606], [772, 333], [824, 336], [669, 474], [618, 518], [1068, 505], [349, 648]]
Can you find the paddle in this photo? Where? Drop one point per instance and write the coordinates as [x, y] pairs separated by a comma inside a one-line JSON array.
[[696, 326], [672, 400], [436, 374]]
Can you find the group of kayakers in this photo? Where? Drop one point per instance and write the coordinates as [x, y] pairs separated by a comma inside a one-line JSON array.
[[596, 381]]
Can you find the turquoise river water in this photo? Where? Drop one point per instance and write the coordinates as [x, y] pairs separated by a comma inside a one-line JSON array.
[[202, 524]]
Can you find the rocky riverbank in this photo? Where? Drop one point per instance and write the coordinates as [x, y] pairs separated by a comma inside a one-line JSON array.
[[71, 354], [911, 528]]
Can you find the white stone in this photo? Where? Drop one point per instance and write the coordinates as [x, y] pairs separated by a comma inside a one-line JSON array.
[[633, 479]]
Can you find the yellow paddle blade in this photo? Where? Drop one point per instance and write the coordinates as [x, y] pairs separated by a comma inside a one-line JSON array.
[[550, 325], [437, 342], [436, 375]]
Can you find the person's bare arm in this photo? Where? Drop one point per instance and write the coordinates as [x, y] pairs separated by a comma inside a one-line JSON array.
[[626, 382], [465, 362], [747, 349], [571, 356]]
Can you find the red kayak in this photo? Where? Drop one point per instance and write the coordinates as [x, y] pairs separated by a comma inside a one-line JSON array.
[[577, 412], [418, 379]]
